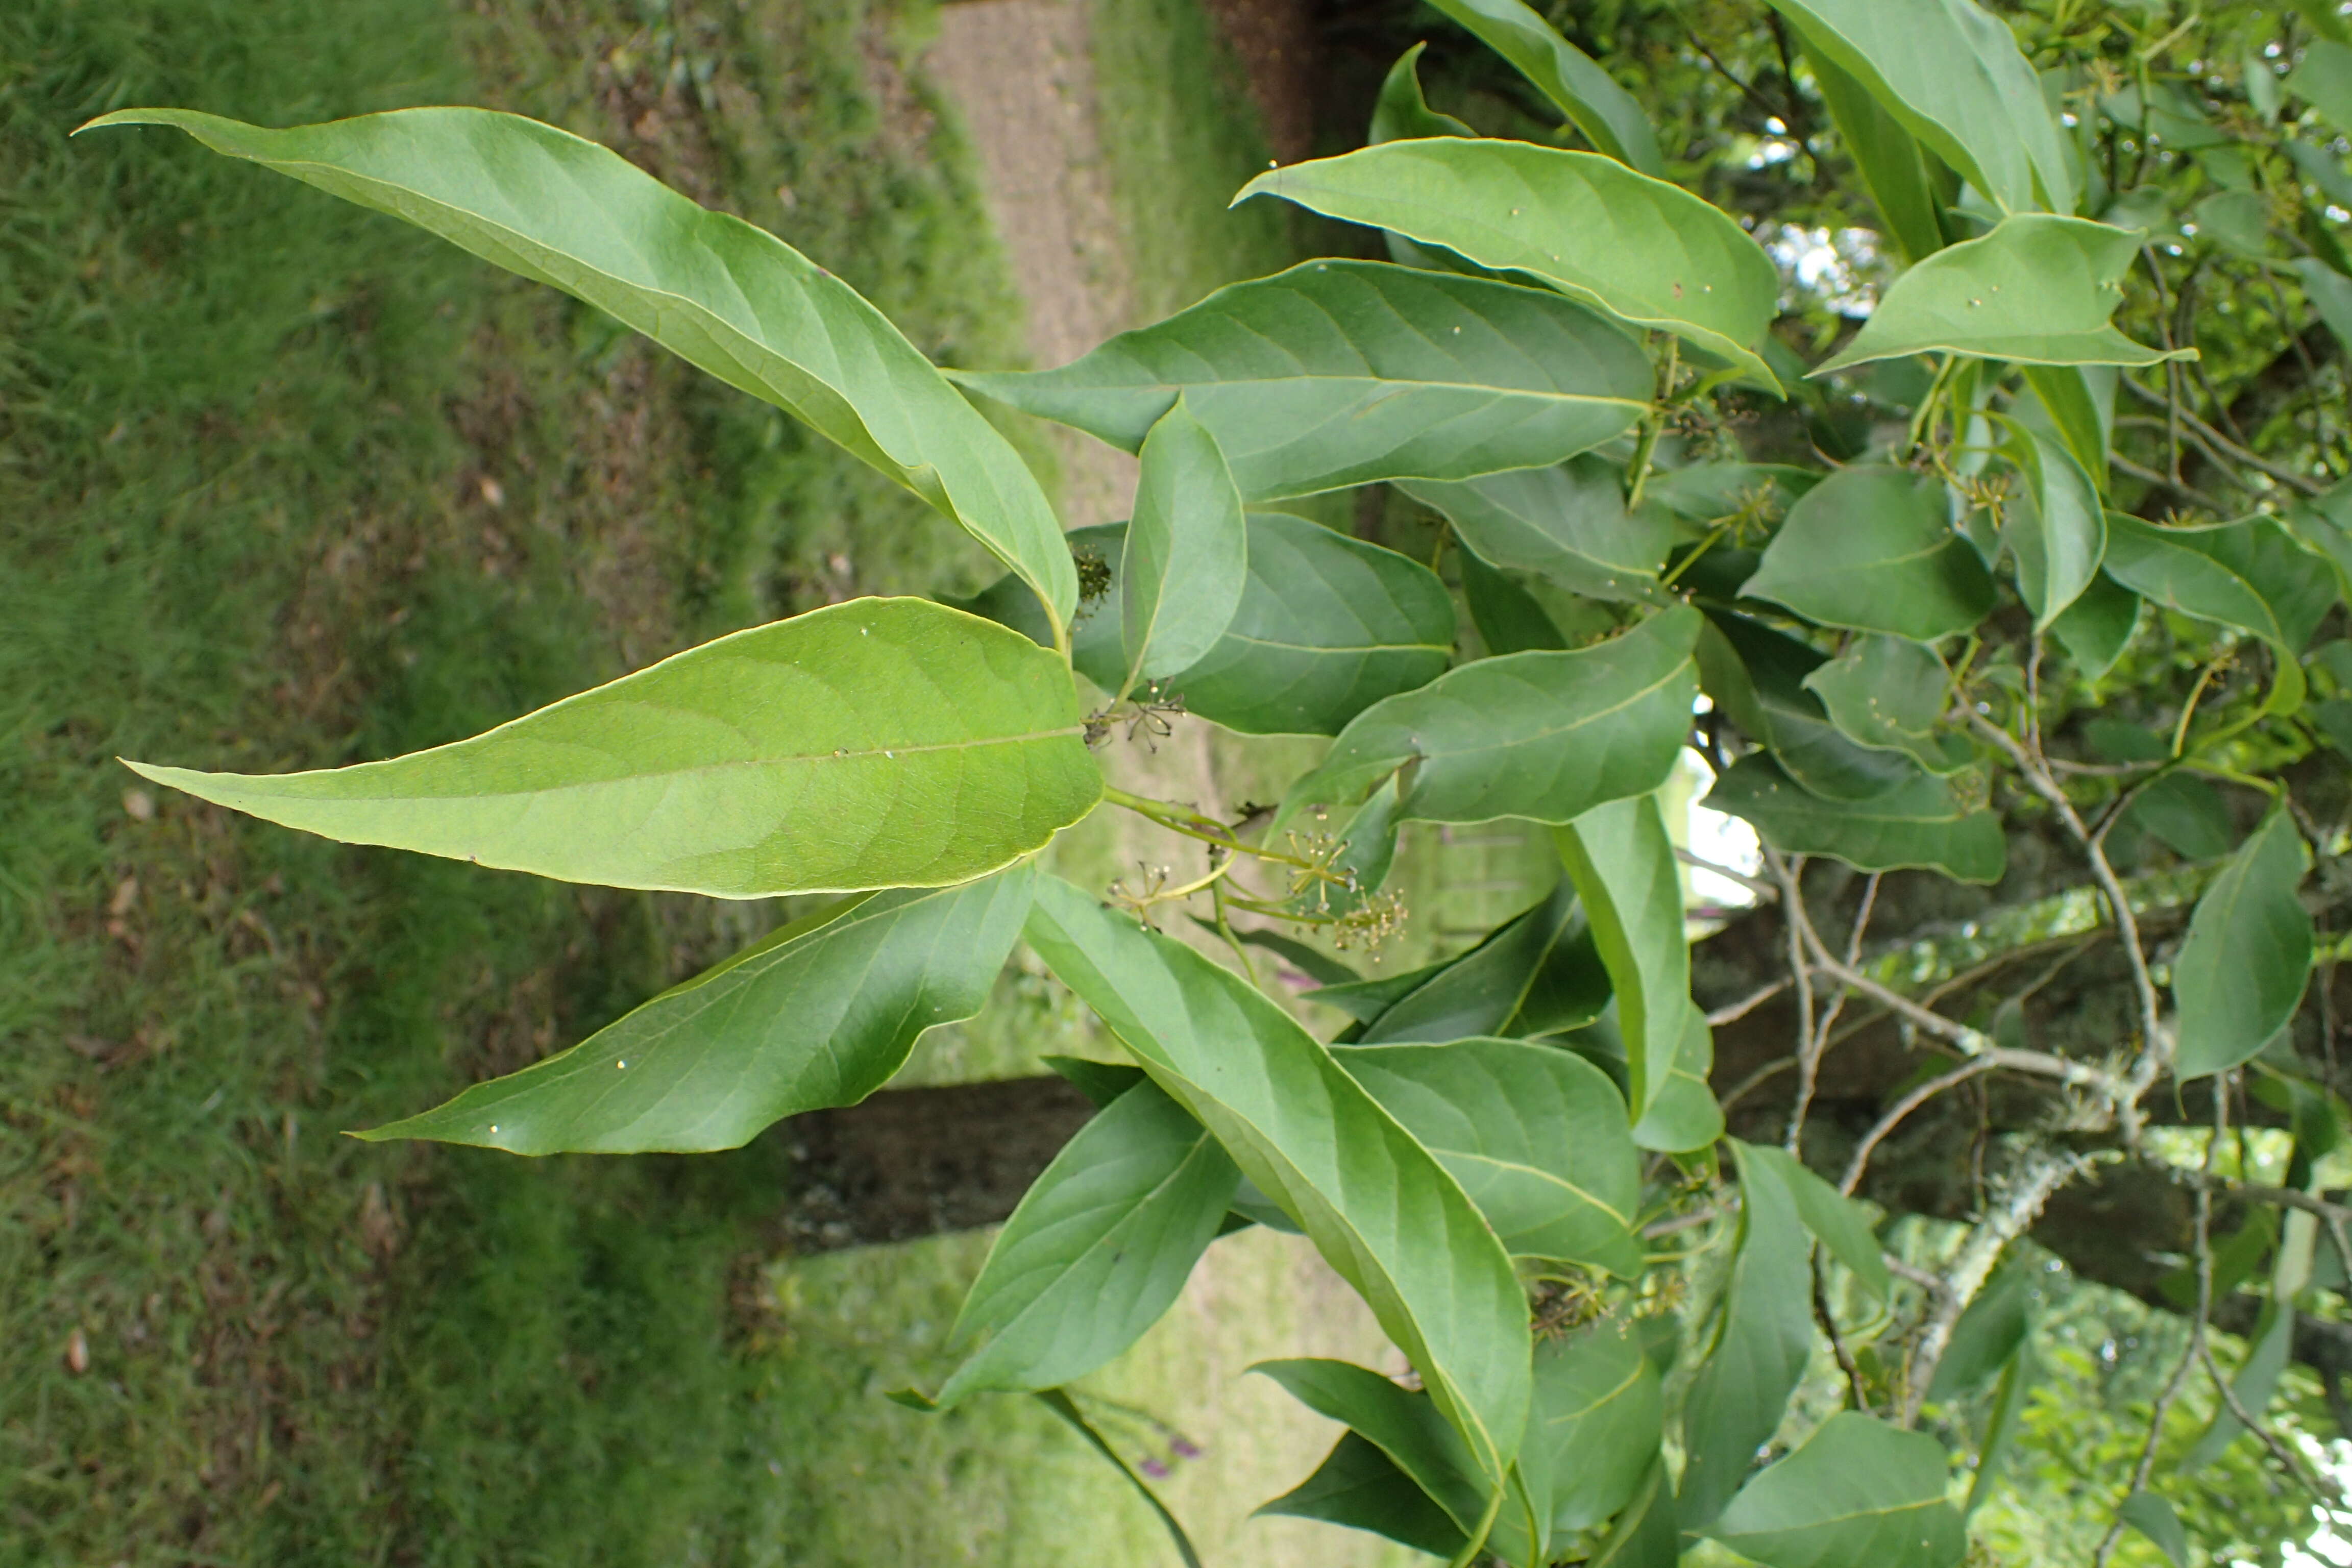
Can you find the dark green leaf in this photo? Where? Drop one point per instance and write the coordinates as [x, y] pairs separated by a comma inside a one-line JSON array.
[[2038, 289], [1365, 1000], [1873, 549], [1647, 1535], [1360, 1487], [1402, 113], [1622, 860], [1536, 973], [1097, 1250], [1187, 557], [1683, 1116], [1509, 619], [1952, 73], [2057, 531], [2098, 627], [1763, 1339], [2079, 401], [1342, 373], [1890, 693], [1594, 1432], [2220, 575], [1887, 156], [819, 1013], [1924, 824], [881, 742], [2240, 972], [1536, 1135], [1858, 1491], [1568, 523], [1606, 113], [1837, 1221], [1709, 493], [2152, 1517], [1644, 251], [714, 289], [1547, 736], [1380, 1207], [1761, 679], [2007, 1418], [1313, 962], [2186, 813], [1989, 1334], [1101, 1082]]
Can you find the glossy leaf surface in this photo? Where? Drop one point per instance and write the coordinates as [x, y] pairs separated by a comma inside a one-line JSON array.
[[1923, 824], [1536, 1135], [1951, 71], [1890, 693], [1859, 1491], [1621, 859], [1542, 735], [718, 293], [1187, 557], [1763, 1339], [1342, 373], [1380, 1208], [1097, 1249], [822, 1012], [2038, 289], [881, 742], [2242, 968], [1644, 251], [1590, 96], [1871, 549], [1568, 523], [1596, 1425]]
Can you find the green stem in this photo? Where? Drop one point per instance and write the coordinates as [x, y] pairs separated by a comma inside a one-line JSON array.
[[1647, 442], [1486, 1528], [1714, 537], [1193, 825]]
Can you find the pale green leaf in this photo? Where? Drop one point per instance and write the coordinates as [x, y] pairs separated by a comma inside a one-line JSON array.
[[1402, 113], [2330, 293], [1590, 96], [1343, 372], [2005, 1421], [1622, 860], [1887, 156], [1380, 1208], [2242, 969], [1646, 251], [2250, 576], [1360, 1487], [1595, 1429], [1097, 1249], [2056, 532], [876, 743], [1547, 736], [1683, 1115], [2038, 289], [1536, 973], [1837, 1221], [1763, 1340], [1873, 549], [2152, 1517], [1889, 694], [1536, 1135], [1187, 557], [1988, 1335], [822, 1012], [2096, 629], [1761, 678], [1858, 1491], [717, 291], [1952, 73], [2324, 79], [1923, 824], [2081, 403], [1567, 524]]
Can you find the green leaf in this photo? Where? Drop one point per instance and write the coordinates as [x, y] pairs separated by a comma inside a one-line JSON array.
[[2002, 1424], [1187, 558], [2242, 969], [1871, 548], [1760, 678], [1858, 1491], [2057, 531], [713, 290], [1887, 156], [822, 1012], [1841, 1224], [1647, 1535], [1988, 1335], [2081, 403], [1567, 524], [1536, 973], [1508, 617], [1685, 1116], [1402, 113], [2187, 813], [2250, 576], [1328, 626], [1380, 1207], [1101, 1082], [1594, 1432], [1923, 824], [2152, 1517], [2324, 79], [1890, 694], [1951, 72], [2256, 1384], [2038, 289], [1360, 1487], [1343, 372], [1590, 98], [1709, 493], [1536, 1135], [1547, 736], [2330, 293], [2096, 629], [1063, 1405], [881, 742], [1313, 962], [1763, 1339], [1621, 859], [1407, 1427], [1644, 251], [1097, 1250]]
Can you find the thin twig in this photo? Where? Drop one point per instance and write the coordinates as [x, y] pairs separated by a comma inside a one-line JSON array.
[[1901, 1109], [1788, 872], [1733, 1012], [2229, 451], [1756, 885]]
